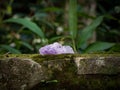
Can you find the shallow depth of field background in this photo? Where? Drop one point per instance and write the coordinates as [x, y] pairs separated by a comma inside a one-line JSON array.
[[89, 26]]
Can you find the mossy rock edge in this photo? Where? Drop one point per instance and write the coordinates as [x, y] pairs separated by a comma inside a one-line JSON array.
[[60, 72]]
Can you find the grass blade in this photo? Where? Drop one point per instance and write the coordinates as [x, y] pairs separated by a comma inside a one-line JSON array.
[[88, 31], [73, 18]]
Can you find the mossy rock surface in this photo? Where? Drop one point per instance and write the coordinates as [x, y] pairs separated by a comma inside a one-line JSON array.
[[60, 72]]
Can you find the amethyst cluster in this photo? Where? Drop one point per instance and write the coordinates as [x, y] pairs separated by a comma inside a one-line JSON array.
[[55, 48]]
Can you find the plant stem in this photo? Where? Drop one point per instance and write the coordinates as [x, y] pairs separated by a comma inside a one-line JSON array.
[[74, 45]]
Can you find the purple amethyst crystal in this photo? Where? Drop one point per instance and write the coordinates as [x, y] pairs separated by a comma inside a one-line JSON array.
[[55, 48]]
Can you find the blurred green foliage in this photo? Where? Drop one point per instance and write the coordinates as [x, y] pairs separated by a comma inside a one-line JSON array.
[[27, 25]]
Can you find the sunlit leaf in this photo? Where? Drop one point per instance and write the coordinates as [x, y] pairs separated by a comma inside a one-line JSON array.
[[10, 49], [28, 24], [98, 46], [88, 31]]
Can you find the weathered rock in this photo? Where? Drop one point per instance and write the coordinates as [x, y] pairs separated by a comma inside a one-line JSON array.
[[98, 65], [20, 74], [73, 72]]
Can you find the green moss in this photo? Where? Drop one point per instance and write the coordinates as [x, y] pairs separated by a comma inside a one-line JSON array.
[[67, 77], [17, 55], [39, 58], [96, 55], [69, 80], [61, 56]]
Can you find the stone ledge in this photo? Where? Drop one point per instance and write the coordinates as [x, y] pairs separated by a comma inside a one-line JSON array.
[[22, 72]]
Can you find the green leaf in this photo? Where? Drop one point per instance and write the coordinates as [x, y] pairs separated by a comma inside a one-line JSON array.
[[98, 46], [88, 31], [28, 24], [26, 45], [10, 49], [73, 18]]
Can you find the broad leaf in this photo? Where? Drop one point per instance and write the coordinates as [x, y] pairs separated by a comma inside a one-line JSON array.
[[28, 24], [88, 31], [10, 49], [98, 46]]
